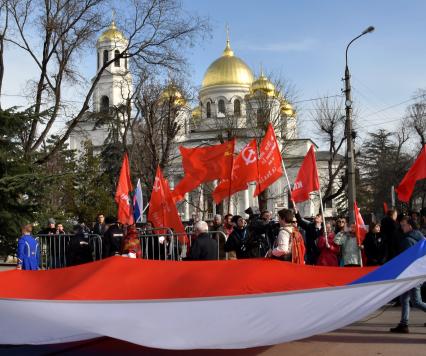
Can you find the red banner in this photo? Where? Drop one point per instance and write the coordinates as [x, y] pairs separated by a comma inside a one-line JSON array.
[[204, 164], [122, 198], [162, 208], [415, 173], [307, 178], [270, 165], [244, 170]]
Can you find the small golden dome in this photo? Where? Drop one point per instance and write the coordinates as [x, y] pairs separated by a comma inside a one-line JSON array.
[[286, 108], [264, 85], [172, 93], [227, 69], [196, 112], [112, 34]]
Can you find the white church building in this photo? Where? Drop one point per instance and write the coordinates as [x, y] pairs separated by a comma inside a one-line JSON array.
[[231, 99]]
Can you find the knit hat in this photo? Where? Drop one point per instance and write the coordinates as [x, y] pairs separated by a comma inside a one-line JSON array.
[[51, 221]]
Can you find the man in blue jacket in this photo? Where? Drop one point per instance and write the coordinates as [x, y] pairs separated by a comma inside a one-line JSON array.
[[28, 250], [412, 235]]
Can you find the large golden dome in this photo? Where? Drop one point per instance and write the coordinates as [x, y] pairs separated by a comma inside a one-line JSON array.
[[112, 34], [227, 69]]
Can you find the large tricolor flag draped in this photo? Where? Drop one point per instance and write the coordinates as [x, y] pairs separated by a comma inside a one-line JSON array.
[[244, 170], [204, 164], [162, 208], [199, 304], [138, 202], [415, 173], [270, 162], [122, 198], [307, 178]]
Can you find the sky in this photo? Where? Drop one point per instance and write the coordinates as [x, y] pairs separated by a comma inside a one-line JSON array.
[[304, 42]]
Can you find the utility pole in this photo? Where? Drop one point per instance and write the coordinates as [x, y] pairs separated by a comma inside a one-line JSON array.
[[350, 155]]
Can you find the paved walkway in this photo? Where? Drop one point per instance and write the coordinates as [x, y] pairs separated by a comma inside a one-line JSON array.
[[365, 338]]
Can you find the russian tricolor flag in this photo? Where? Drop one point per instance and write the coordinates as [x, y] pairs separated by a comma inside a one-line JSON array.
[[197, 305], [138, 203]]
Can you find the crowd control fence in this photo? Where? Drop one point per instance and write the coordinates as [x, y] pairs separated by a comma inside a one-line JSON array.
[[63, 250]]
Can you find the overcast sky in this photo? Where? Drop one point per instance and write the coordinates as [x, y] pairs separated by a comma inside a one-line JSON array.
[[303, 41]]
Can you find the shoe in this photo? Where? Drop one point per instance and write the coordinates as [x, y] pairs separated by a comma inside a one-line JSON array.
[[400, 329]]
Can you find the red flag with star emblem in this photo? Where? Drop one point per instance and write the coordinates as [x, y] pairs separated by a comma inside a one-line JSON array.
[[122, 198], [270, 165], [244, 170], [162, 208], [204, 164]]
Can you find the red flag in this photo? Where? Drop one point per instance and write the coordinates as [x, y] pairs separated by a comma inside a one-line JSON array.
[[122, 198], [415, 173], [270, 165], [385, 207], [360, 229], [203, 164], [244, 170], [162, 208], [307, 179]]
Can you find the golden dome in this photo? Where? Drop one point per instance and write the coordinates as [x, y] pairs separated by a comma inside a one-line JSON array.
[[286, 109], [264, 85], [112, 34], [171, 92], [196, 112], [227, 69]]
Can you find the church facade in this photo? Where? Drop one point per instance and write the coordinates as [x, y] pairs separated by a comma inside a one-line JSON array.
[[232, 103]]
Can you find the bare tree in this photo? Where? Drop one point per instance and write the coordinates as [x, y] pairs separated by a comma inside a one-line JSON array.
[[417, 117], [329, 120], [157, 31], [4, 23]]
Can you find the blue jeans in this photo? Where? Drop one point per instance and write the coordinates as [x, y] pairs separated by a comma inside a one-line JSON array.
[[416, 300]]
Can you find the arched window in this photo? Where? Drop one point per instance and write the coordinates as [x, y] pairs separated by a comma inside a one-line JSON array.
[[237, 108], [116, 58], [209, 110], [105, 56], [221, 106], [98, 62], [125, 62], [104, 104]]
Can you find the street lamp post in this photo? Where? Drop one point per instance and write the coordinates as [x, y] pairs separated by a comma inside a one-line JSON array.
[[350, 157]]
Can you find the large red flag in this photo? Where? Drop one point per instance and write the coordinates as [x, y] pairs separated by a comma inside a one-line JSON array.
[[122, 198], [162, 208], [270, 165], [307, 178], [415, 173], [360, 228], [203, 164], [244, 170]]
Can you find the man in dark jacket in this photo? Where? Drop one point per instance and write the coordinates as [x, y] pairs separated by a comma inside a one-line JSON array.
[[391, 232], [412, 235], [112, 240], [203, 247], [313, 230]]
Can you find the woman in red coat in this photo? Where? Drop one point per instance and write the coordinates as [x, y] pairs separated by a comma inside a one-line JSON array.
[[329, 251]]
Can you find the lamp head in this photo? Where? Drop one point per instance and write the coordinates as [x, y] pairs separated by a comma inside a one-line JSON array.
[[368, 30]]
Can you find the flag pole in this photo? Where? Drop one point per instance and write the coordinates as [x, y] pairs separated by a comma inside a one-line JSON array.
[[288, 183], [230, 176], [146, 207], [323, 216]]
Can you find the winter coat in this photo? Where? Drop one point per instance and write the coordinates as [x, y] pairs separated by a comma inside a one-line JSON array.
[[28, 253], [410, 239], [238, 241], [312, 234], [112, 241], [328, 255], [376, 249], [203, 248], [350, 249], [392, 234]]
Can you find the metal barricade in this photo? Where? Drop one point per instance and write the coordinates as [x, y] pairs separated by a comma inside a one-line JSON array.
[[154, 245], [61, 250]]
